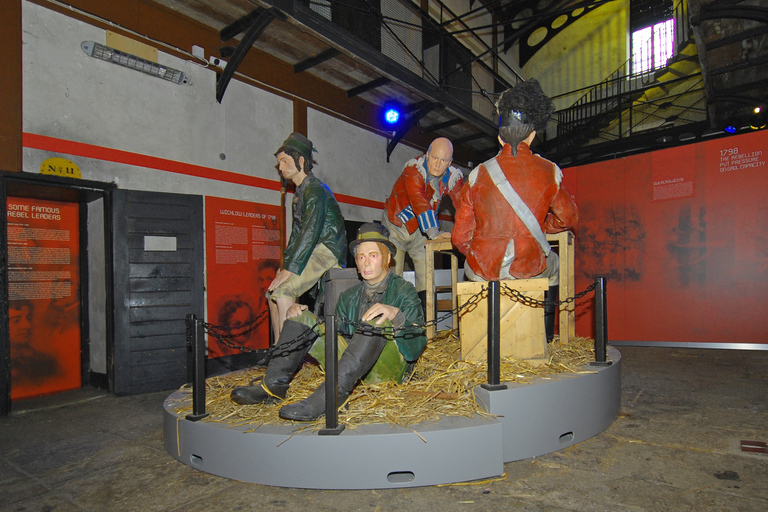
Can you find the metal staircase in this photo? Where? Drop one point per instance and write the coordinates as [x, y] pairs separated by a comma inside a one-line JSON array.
[[626, 104]]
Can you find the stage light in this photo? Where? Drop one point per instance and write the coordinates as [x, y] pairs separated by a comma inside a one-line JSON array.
[[730, 128], [391, 115]]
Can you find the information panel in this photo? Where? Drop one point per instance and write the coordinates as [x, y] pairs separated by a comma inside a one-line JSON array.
[[242, 258], [43, 298]]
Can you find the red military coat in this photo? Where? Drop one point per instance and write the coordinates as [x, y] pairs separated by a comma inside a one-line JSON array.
[[413, 202], [486, 223]]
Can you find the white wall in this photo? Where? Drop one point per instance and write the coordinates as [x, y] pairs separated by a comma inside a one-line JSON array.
[[71, 96], [123, 114], [353, 161]]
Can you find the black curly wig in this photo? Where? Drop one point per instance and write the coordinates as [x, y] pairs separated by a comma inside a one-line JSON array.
[[523, 109]]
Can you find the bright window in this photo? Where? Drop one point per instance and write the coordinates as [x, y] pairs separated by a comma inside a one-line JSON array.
[[652, 47]]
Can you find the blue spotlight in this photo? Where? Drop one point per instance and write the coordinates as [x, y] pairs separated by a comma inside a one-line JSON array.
[[730, 128], [391, 115]]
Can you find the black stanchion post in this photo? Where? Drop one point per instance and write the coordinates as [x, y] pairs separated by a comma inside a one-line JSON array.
[[332, 427], [494, 337], [196, 329], [601, 323]]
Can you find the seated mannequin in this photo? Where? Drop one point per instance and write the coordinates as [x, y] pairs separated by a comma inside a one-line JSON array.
[[512, 200], [383, 299]]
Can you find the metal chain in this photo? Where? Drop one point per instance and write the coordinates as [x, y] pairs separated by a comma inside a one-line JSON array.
[[302, 341], [531, 302], [214, 330], [309, 336]]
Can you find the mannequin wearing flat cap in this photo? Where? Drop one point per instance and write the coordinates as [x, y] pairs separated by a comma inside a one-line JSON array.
[[494, 236], [383, 299], [318, 239]]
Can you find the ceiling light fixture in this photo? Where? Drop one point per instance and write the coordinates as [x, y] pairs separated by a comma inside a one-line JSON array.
[[101, 52]]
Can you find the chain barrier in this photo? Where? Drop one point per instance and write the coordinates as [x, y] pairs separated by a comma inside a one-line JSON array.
[[217, 331], [302, 341], [531, 302], [309, 336]]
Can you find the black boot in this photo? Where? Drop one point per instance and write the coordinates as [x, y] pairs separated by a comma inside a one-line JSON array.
[[361, 354], [280, 370], [550, 312]]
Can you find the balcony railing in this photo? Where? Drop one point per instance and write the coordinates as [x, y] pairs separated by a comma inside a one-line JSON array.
[[618, 106]]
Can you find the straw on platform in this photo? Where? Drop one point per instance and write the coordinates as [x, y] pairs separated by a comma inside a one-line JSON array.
[[441, 385]]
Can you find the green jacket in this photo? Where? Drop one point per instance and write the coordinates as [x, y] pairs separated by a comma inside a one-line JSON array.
[[401, 294], [317, 219]]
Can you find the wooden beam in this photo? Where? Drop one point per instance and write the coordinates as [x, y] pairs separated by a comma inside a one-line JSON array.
[[10, 100]]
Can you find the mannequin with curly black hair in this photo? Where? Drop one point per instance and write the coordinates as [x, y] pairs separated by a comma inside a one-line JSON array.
[[523, 110], [512, 200]]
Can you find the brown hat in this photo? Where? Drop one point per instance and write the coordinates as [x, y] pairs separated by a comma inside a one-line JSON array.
[[300, 143], [372, 232]]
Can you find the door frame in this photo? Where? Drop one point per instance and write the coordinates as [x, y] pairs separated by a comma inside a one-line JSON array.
[[38, 186]]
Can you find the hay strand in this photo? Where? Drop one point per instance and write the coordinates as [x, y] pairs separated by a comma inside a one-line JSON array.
[[442, 384]]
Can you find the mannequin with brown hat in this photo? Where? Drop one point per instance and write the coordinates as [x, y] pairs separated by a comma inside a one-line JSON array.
[[383, 299], [318, 239]]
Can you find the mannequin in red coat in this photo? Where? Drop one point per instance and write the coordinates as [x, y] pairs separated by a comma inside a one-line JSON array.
[[492, 235]]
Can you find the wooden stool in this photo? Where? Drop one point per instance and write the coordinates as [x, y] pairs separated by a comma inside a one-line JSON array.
[[445, 247], [565, 249], [521, 327]]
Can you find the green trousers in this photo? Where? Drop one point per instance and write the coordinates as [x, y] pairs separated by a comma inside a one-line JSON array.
[[390, 366]]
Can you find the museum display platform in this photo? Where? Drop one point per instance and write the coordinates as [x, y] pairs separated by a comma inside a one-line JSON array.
[[525, 420]]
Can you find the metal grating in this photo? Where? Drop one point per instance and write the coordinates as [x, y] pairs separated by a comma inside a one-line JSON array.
[[401, 34]]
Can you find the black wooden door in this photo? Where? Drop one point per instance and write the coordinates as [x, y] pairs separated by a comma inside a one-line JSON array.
[[158, 281]]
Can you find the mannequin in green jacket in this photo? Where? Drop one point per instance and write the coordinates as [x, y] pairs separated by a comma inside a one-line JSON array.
[[383, 299], [318, 239]]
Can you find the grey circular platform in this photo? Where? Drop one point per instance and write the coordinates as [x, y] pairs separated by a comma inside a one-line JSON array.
[[531, 419]]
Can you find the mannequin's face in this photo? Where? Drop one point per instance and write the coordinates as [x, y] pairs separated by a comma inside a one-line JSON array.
[[370, 262]]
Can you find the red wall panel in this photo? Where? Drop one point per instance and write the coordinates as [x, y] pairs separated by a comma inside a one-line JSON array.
[[681, 236]]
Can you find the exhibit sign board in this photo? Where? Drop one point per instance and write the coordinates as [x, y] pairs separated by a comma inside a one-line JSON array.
[[43, 296], [242, 257]]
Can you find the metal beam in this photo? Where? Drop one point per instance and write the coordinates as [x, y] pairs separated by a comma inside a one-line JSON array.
[[238, 27], [742, 12], [407, 125], [260, 21], [317, 59], [373, 84], [759, 61], [441, 126], [736, 38], [325, 30], [469, 138], [407, 109]]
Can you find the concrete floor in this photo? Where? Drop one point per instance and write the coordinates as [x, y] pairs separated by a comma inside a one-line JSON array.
[[675, 447]]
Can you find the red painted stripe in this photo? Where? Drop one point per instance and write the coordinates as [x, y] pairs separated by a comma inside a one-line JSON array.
[[69, 147], [359, 201]]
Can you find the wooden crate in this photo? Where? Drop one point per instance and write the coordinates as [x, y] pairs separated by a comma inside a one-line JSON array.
[[521, 330], [564, 243]]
